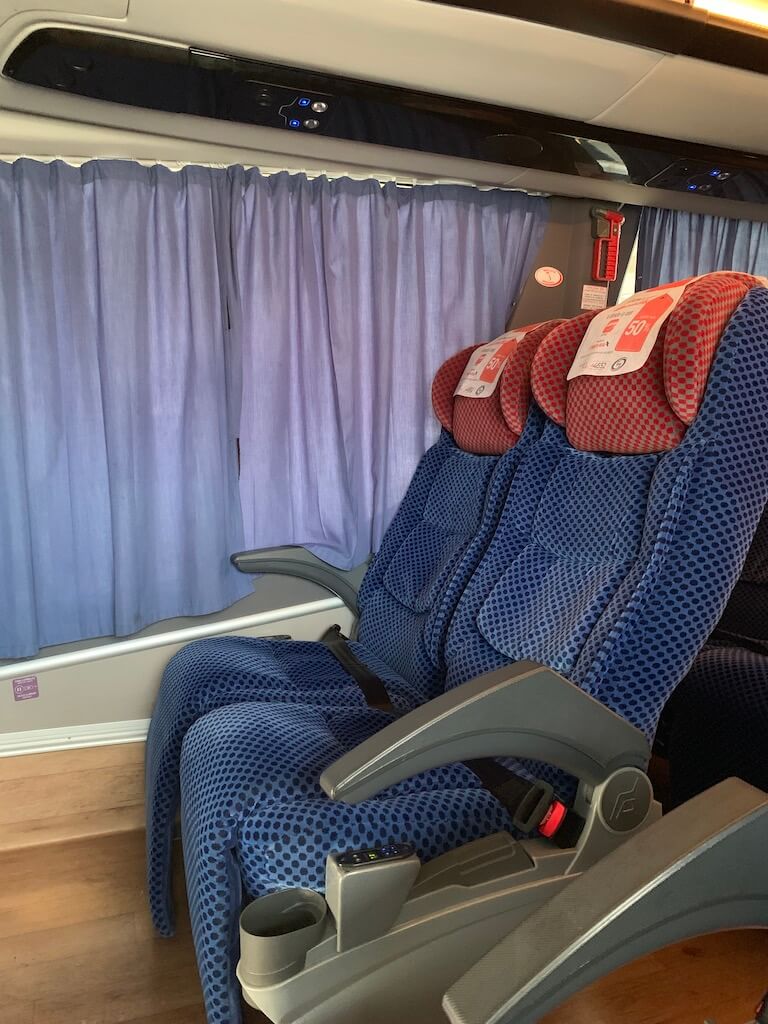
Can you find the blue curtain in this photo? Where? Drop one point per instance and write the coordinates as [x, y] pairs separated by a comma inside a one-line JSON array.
[[351, 295], [118, 465], [673, 245], [140, 308]]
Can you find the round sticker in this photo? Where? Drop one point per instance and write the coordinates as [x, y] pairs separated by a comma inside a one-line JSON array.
[[549, 277]]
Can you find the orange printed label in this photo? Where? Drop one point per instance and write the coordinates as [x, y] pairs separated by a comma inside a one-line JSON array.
[[620, 339], [483, 371]]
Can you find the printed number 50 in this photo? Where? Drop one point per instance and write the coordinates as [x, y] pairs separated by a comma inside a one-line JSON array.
[[637, 327]]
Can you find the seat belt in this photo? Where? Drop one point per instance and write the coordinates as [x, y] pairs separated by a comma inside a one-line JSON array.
[[374, 690], [530, 805]]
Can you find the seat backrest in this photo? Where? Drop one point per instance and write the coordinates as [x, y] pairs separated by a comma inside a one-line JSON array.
[[629, 519], [745, 619], [446, 506]]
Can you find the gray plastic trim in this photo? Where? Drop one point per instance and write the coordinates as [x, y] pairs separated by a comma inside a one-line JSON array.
[[700, 869], [277, 931], [522, 710], [302, 563], [366, 901], [459, 907], [439, 933]]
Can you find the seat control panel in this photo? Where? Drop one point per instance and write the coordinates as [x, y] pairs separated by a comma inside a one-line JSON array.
[[366, 890], [374, 855]]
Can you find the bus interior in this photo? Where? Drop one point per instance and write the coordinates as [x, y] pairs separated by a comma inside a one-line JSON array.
[[383, 530]]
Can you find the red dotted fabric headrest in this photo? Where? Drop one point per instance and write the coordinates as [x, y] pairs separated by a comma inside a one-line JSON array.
[[650, 408], [491, 425]]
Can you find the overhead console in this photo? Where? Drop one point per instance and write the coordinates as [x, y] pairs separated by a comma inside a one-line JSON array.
[[177, 79]]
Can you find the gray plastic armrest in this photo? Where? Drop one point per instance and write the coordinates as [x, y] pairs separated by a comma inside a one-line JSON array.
[[701, 868], [522, 710], [297, 561]]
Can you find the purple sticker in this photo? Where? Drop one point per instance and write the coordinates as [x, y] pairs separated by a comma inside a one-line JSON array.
[[25, 688]]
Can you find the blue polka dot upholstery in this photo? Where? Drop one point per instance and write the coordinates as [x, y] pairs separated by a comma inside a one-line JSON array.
[[406, 598], [613, 569], [745, 619], [717, 720], [243, 840]]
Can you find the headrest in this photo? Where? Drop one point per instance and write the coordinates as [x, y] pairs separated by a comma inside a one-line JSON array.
[[632, 381], [481, 395]]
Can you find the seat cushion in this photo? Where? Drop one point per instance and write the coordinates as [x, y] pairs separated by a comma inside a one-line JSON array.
[[255, 819], [224, 670]]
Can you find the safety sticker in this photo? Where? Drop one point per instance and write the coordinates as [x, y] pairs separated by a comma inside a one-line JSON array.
[[25, 688], [549, 277], [482, 374], [594, 296], [620, 339]]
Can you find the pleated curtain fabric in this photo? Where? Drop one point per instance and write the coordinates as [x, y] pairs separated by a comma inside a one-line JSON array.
[[352, 295], [118, 467], [674, 244], [149, 318]]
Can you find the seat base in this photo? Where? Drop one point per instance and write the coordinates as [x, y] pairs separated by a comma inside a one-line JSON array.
[[460, 905]]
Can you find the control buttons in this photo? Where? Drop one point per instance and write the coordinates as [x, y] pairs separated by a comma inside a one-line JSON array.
[[375, 855], [305, 112]]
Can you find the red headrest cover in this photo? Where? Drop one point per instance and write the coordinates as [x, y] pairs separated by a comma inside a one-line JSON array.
[[649, 409], [491, 425]]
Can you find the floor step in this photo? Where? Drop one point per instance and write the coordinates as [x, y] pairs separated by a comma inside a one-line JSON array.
[[71, 794]]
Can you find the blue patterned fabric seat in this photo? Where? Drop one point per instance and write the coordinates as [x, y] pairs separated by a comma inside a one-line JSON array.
[[717, 720], [624, 529], [406, 599]]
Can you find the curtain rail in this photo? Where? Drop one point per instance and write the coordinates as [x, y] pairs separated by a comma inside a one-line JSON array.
[[178, 165]]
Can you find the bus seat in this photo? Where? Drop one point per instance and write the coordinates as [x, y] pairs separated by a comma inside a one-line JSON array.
[[405, 600], [624, 529], [717, 719]]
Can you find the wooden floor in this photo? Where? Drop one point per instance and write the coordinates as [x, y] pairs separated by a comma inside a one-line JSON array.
[[76, 947], [71, 794]]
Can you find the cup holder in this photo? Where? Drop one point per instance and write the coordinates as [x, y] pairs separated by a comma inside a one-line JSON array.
[[277, 932]]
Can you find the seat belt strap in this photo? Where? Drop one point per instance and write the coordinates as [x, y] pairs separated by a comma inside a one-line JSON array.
[[530, 805], [527, 803], [373, 688]]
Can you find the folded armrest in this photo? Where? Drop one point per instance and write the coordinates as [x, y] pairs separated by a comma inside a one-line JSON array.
[[702, 868], [522, 710], [296, 561]]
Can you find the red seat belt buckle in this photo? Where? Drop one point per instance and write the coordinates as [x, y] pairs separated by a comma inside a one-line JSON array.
[[553, 819]]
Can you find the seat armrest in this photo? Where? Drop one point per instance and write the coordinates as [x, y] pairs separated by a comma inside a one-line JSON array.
[[701, 868], [522, 710], [297, 561]]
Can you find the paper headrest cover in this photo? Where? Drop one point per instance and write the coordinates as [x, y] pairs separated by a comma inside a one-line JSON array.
[[650, 408], [493, 424]]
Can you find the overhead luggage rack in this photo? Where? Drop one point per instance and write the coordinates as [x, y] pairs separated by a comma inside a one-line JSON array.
[[187, 80]]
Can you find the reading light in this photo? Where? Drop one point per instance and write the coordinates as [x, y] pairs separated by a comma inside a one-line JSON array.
[[753, 12]]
